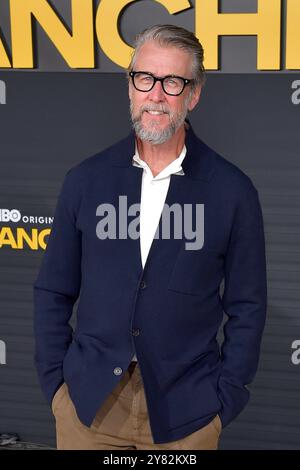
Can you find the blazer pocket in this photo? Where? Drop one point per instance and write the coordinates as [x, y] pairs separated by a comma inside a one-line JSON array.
[[197, 272], [188, 402]]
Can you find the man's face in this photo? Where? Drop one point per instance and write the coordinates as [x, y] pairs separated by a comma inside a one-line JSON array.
[[157, 116]]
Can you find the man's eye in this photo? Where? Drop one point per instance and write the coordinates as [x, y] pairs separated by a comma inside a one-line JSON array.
[[172, 82]]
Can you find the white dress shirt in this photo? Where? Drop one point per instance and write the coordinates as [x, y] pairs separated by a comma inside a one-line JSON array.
[[153, 195]]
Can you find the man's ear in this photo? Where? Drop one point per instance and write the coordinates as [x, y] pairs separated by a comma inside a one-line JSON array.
[[195, 98]]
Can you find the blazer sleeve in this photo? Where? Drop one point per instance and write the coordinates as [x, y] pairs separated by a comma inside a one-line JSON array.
[[57, 288], [244, 301]]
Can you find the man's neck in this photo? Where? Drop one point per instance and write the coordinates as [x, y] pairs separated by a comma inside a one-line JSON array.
[[160, 156]]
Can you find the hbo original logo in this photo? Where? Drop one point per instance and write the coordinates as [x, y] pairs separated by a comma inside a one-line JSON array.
[[9, 216]]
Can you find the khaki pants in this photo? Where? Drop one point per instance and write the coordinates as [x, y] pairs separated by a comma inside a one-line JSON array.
[[122, 422]]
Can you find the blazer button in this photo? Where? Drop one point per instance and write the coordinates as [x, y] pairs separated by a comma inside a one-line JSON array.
[[143, 284], [136, 332], [118, 371]]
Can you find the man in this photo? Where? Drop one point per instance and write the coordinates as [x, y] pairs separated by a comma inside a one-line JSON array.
[[143, 368]]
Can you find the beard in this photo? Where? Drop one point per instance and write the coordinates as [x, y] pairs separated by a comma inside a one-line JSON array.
[[152, 132]]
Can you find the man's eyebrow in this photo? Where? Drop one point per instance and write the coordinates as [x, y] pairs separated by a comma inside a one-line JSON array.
[[161, 76], [145, 71]]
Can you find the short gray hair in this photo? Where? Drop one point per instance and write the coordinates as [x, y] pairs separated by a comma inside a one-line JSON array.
[[173, 36]]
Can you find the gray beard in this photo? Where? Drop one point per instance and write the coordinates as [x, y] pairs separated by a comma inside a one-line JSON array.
[[153, 135]]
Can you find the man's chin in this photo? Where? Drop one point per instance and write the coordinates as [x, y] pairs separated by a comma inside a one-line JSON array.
[[155, 130], [150, 121], [155, 136]]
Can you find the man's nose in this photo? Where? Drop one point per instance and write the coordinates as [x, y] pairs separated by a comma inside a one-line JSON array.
[[157, 93]]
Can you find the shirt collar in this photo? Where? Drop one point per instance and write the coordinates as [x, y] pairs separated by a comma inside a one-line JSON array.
[[173, 168]]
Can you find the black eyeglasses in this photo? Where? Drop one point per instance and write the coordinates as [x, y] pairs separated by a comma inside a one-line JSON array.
[[171, 84]]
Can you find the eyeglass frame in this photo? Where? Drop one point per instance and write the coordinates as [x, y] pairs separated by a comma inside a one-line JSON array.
[[186, 81]]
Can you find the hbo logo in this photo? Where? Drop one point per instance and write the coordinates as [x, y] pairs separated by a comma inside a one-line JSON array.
[[9, 216]]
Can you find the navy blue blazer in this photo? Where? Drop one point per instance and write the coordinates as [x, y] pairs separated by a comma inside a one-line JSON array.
[[175, 303]]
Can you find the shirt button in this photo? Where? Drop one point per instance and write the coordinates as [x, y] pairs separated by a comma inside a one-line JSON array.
[[118, 371], [136, 332], [143, 284]]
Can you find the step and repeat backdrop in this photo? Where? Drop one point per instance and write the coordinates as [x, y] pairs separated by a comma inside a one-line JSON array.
[[63, 98]]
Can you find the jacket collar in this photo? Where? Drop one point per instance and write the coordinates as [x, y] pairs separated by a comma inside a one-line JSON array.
[[199, 162]]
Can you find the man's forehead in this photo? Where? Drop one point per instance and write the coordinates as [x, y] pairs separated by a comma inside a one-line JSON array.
[[152, 57]]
